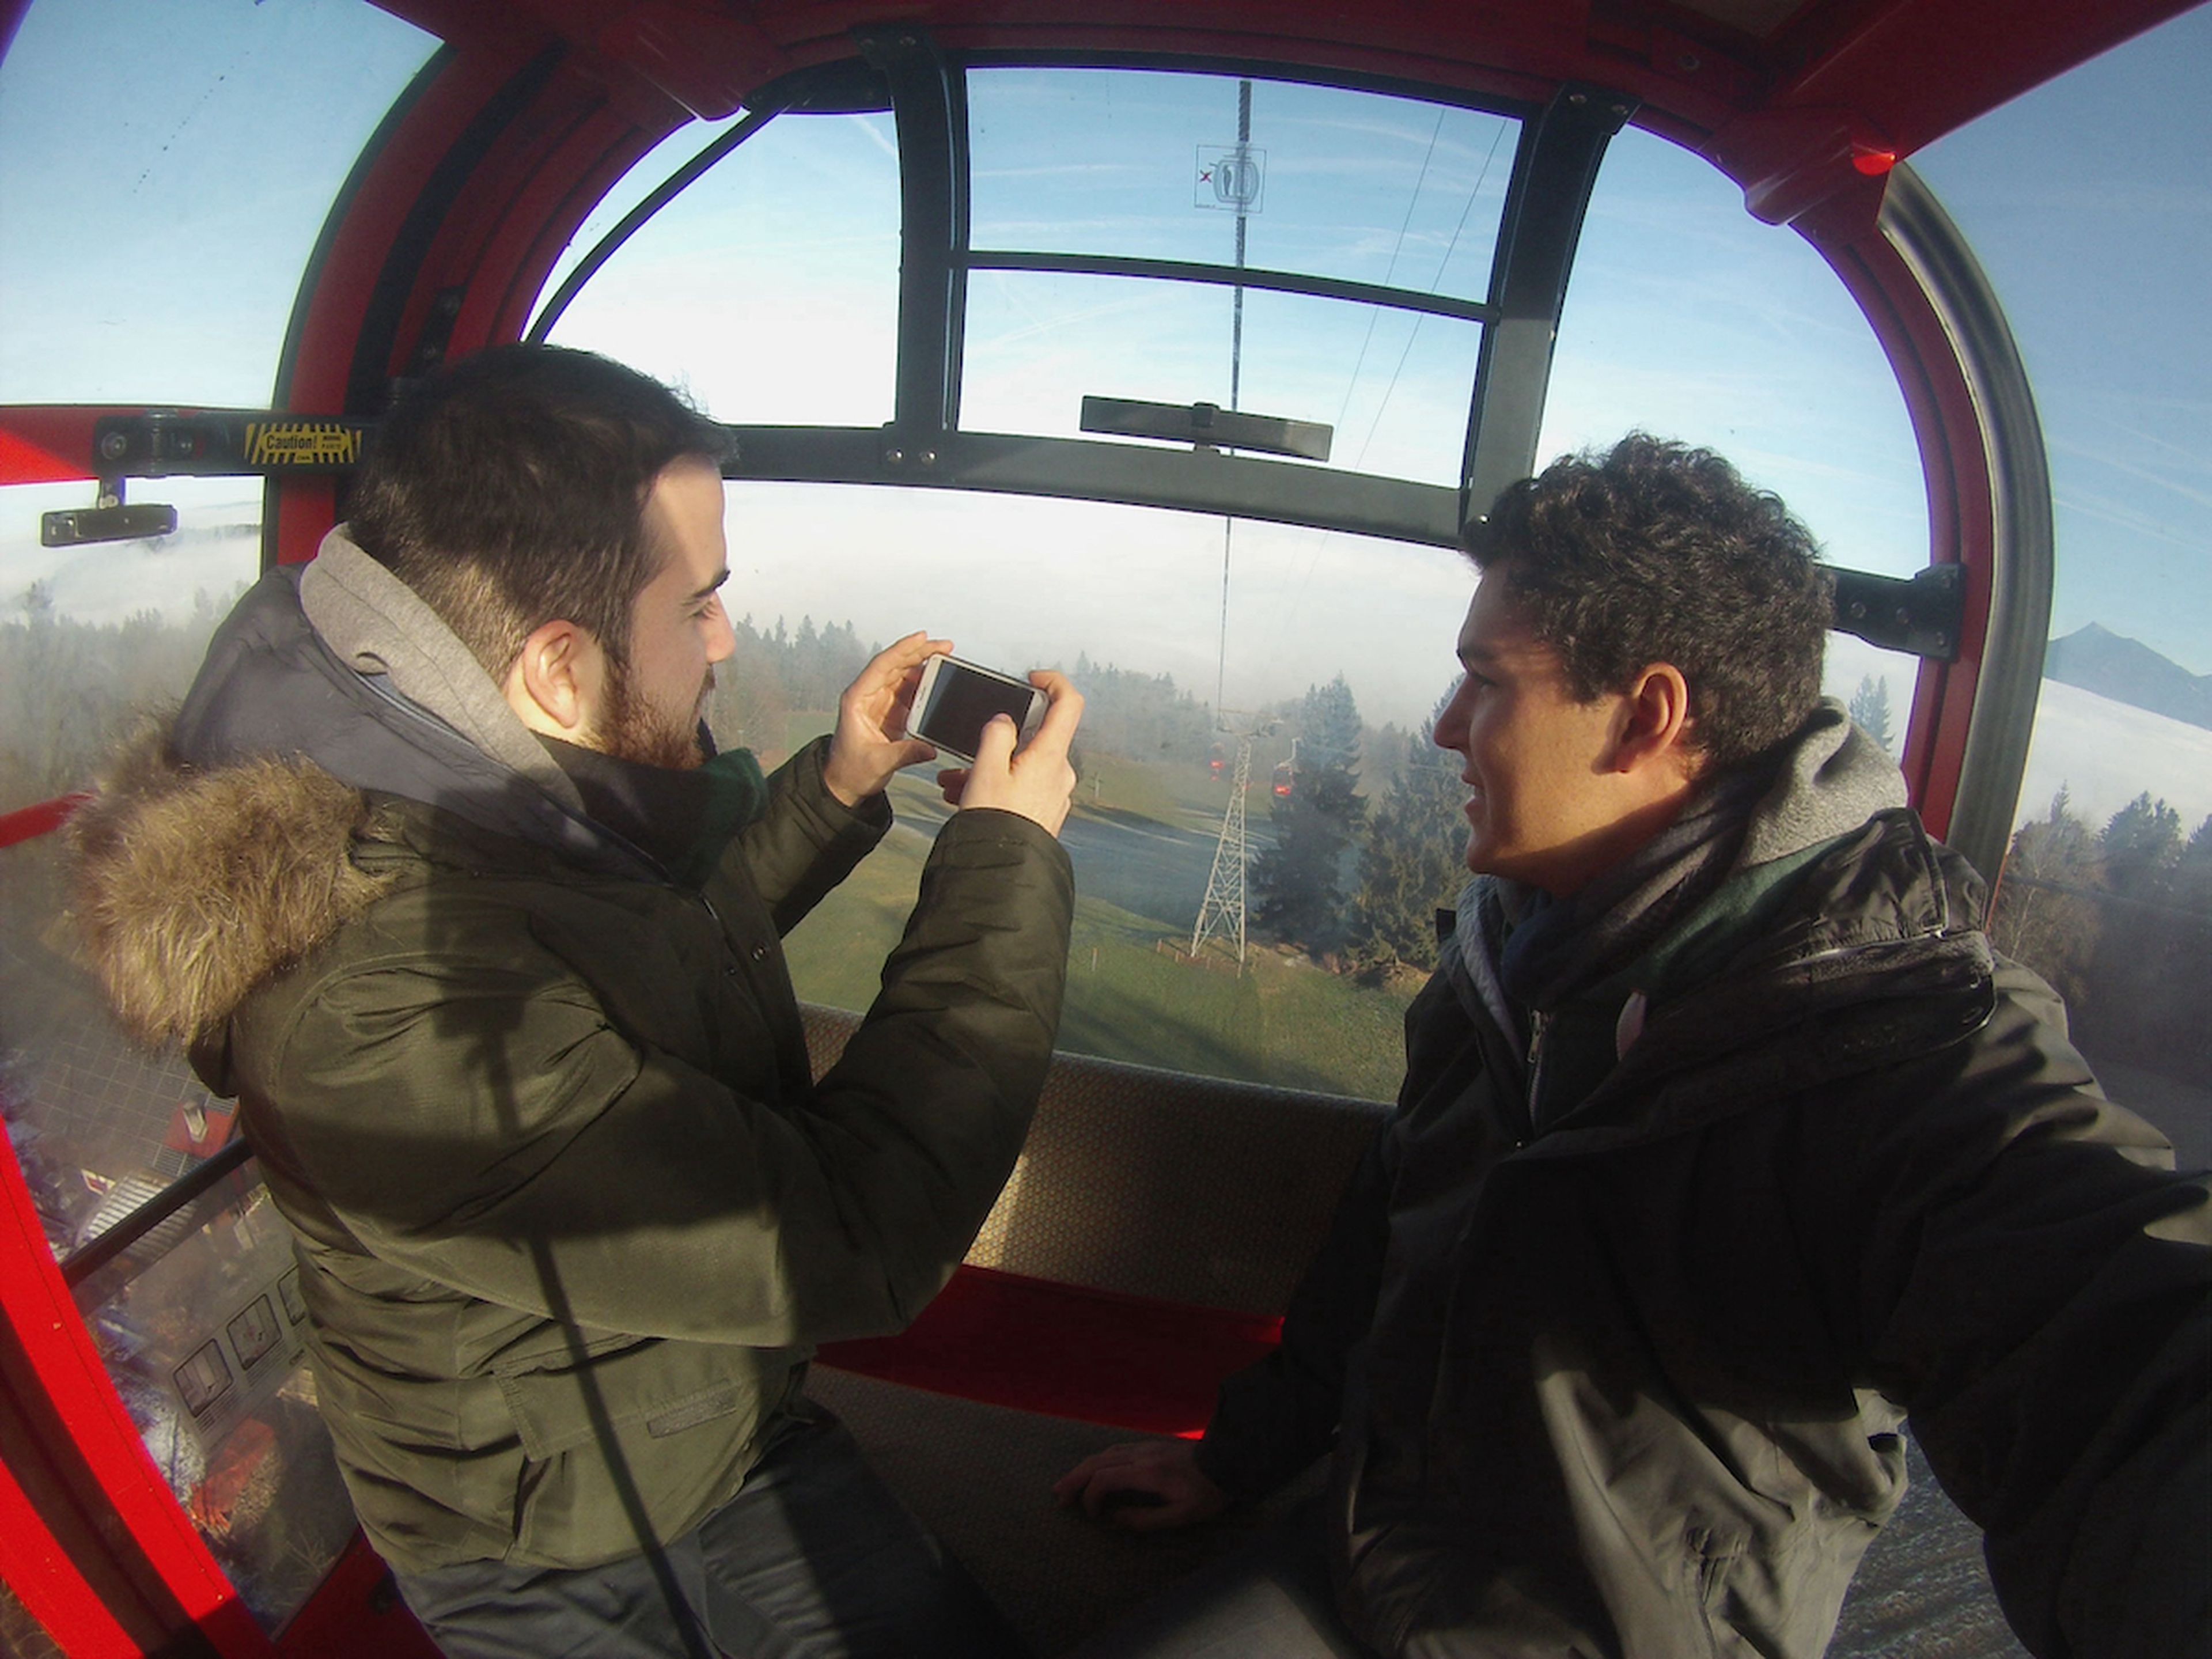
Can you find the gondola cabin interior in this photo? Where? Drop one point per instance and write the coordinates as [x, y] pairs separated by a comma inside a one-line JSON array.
[[1169, 344]]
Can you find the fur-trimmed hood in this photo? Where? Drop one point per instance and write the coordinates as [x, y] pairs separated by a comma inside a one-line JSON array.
[[190, 887], [218, 848]]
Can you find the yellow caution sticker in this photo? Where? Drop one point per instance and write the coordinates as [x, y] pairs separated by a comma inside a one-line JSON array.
[[301, 443]]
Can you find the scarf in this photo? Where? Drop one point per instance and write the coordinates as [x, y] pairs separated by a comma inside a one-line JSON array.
[[1518, 948]]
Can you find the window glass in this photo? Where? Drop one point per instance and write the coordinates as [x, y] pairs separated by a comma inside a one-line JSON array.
[[91, 636], [206, 1341], [2107, 888], [1347, 185], [647, 174], [1394, 385], [769, 289], [1689, 319], [166, 167], [1340, 643], [1876, 684], [21, 1636], [194, 1321]]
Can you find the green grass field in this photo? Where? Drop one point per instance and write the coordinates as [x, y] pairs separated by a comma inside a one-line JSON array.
[[1284, 1021]]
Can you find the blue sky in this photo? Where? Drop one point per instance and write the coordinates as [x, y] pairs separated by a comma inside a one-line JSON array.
[[157, 203], [2089, 202]]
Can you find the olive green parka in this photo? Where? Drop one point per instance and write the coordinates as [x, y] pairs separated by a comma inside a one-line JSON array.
[[571, 1212]]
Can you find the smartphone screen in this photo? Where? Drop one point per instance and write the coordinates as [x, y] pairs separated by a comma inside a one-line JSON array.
[[957, 702]]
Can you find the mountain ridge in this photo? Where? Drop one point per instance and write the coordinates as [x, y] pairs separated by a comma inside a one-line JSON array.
[[2111, 665]]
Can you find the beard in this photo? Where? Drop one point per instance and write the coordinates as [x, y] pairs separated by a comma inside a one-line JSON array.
[[632, 729]]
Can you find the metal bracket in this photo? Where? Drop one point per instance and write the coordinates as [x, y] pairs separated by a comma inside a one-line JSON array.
[[437, 335], [1207, 426], [225, 442], [108, 520], [1924, 614]]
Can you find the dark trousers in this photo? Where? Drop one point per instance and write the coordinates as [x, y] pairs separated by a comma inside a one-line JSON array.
[[814, 1559], [1271, 1598]]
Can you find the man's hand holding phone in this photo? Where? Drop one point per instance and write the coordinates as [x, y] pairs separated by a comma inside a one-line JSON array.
[[1035, 779], [863, 753]]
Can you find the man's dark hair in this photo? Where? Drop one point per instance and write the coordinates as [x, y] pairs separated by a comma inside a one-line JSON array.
[[508, 490], [1662, 553]]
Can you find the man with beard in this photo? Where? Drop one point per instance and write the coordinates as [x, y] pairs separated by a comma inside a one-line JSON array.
[[1726, 1141], [437, 872]]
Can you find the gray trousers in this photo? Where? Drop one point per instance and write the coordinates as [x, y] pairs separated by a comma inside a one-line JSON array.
[[813, 1559]]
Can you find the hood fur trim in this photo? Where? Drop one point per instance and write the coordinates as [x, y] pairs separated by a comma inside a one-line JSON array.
[[189, 888]]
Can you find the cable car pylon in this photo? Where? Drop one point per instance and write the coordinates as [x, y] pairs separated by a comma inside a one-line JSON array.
[[1221, 910]]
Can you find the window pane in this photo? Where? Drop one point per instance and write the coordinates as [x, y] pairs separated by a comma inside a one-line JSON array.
[[90, 636], [95, 638], [770, 288], [1689, 319], [2097, 247], [1128, 601], [206, 1345], [21, 1636], [165, 168], [1348, 184], [1876, 684], [193, 1321], [1394, 385], [651, 171]]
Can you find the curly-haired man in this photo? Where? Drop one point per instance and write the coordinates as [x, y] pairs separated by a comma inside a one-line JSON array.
[[1726, 1142]]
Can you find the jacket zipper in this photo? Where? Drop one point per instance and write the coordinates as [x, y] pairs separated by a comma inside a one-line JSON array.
[[1539, 1023]]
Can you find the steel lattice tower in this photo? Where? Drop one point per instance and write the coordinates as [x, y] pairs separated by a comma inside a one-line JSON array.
[[1221, 910]]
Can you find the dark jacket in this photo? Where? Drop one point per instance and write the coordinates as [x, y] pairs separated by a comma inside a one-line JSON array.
[[1633, 1385], [571, 1212]]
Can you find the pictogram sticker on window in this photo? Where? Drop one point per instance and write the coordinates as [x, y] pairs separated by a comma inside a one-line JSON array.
[[203, 1379], [255, 1332], [1232, 178]]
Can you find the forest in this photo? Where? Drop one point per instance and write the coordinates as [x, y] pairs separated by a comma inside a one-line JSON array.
[[2119, 920]]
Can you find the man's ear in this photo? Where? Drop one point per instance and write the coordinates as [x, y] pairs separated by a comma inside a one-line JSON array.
[[555, 684], [1655, 723]]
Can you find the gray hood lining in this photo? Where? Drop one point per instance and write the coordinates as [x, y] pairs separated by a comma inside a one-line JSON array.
[[375, 624]]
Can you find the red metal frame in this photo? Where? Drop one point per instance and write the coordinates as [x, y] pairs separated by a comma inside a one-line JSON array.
[[50, 443], [140, 1542], [357, 1614], [29, 823], [51, 1586], [1134, 1362], [1961, 523], [336, 295]]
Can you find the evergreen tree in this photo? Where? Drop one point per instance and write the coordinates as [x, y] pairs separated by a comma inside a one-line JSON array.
[[2197, 856], [750, 702], [1869, 707], [2119, 920], [1299, 883], [1140, 716], [1413, 861], [69, 689], [2047, 914], [2140, 841]]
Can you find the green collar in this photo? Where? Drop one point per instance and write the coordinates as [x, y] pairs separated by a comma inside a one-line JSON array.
[[682, 818]]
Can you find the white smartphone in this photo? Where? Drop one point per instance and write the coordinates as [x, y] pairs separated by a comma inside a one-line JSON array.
[[956, 701]]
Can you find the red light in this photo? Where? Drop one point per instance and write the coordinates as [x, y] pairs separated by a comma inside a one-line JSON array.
[[1873, 162]]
